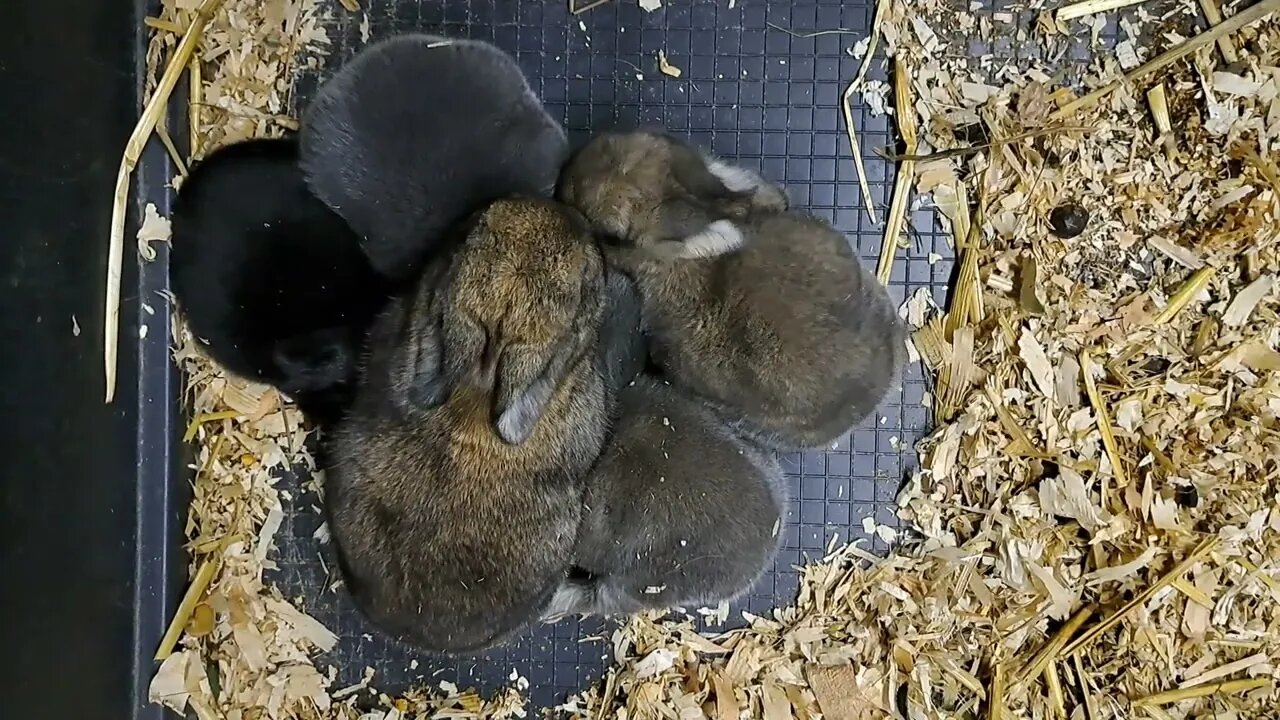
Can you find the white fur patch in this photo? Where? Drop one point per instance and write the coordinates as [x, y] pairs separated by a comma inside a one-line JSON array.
[[736, 179], [569, 599], [717, 238]]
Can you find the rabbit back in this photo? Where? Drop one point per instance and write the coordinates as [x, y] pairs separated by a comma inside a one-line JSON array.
[[679, 511], [790, 335], [450, 540], [419, 131]]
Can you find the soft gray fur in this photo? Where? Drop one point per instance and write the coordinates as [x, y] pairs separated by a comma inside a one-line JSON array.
[[679, 510], [419, 131]]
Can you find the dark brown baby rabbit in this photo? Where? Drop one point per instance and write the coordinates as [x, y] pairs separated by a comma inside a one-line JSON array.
[[678, 510], [455, 488], [763, 311]]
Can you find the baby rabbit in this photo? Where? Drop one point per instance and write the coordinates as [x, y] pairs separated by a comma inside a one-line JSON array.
[[269, 277], [455, 486], [416, 133], [763, 311], [679, 511], [665, 194]]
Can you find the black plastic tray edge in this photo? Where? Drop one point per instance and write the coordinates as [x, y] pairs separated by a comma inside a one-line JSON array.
[[162, 493]]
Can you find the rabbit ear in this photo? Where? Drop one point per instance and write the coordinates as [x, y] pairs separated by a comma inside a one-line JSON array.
[[707, 177], [716, 238], [430, 380], [736, 179], [429, 390], [703, 176], [622, 353], [685, 228], [524, 388]]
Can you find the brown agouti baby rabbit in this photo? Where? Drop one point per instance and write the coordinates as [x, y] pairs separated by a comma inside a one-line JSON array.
[[455, 485], [659, 192], [678, 510], [763, 311]]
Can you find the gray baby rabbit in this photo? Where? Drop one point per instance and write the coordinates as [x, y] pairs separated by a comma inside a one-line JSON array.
[[419, 131], [455, 484], [679, 510], [764, 311]]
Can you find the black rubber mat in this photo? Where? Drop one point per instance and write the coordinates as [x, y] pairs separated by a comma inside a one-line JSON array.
[[753, 93]]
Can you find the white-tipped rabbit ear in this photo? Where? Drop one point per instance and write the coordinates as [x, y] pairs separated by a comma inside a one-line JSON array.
[[687, 228], [718, 238], [523, 391], [516, 422], [736, 179], [764, 194]]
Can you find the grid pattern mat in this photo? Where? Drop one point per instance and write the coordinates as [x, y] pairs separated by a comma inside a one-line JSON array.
[[754, 94]]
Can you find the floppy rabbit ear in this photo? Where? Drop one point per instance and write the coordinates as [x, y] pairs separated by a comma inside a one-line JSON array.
[[430, 386], [684, 228], [622, 353], [705, 177], [524, 388], [429, 382], [708, 177]]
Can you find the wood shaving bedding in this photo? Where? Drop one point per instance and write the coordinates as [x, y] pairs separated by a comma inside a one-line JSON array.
[[1050, 572]]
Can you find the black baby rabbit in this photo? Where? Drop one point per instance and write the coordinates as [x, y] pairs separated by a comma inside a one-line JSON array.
[[271, 280], [764, 311], [419, 131], [454, 490], [679, 510]]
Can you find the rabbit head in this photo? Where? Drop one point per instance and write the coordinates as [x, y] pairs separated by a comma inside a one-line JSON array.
[[659, 193], [521, 310]]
